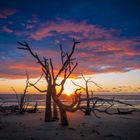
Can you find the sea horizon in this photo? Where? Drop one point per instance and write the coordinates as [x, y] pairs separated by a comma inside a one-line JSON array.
[[11, 99]]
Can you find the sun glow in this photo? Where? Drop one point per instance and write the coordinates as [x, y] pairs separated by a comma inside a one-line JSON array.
[[120, 83], [69, 88]]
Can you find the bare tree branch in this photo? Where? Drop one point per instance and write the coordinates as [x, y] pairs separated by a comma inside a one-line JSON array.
[[78, 85], [37, 88], [16, 95], [66, 62]]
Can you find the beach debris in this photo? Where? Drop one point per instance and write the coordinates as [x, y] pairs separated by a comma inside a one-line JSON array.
[[56, 133], [95, 131], [112, 136], [106, 106], [71, 128], [23, 98], [84, 123], [29, 138], [34, 109], [87, 110]]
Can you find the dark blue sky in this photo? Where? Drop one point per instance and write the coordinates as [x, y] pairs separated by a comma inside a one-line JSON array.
[[120, 14]]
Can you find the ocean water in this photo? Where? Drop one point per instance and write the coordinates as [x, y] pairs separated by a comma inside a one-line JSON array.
[[11, 99]]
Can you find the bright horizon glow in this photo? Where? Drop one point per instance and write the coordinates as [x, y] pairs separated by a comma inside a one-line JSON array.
[[111, 83]]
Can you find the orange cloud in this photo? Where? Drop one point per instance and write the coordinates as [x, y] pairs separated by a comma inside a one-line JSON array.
[[23, 66]]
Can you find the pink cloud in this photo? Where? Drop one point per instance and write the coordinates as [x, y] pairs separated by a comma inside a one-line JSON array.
[[7, 12], [101, 50], [28, 26], [6, 29], [64, 27], [90, 35], [100, 45]]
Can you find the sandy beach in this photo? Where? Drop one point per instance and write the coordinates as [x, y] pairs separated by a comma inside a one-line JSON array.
[[32, 127]]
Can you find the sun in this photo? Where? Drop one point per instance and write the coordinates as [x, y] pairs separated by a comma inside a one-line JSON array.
[[69, 88]]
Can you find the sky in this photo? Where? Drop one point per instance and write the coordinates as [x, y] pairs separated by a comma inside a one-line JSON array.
[[108, 31]]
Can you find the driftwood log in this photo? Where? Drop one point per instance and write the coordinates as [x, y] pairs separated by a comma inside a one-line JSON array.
[[107, 106]]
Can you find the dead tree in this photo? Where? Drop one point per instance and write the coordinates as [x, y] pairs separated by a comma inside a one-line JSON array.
[[54, 107], [105, 106], [86, 90], [23, 97], [96, 104], [66, 69]]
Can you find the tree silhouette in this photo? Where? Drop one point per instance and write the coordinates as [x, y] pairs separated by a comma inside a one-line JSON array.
[[23, 97], [87, 111], [66, 69]]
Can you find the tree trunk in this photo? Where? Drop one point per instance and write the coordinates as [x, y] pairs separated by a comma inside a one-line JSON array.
[[48, 110], [88, 110], [63, 117], [55, 112], [21, 109]]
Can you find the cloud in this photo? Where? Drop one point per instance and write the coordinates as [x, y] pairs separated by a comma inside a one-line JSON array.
[[13, 69], [101, 50], [71, 28], [6, 29], [6, 13]]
